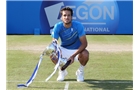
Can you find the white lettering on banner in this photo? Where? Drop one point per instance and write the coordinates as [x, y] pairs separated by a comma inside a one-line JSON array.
[[96, 29], [101, 12], [82, 13], [111, 13]]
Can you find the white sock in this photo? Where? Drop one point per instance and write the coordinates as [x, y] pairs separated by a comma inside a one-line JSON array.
[[81, 68]]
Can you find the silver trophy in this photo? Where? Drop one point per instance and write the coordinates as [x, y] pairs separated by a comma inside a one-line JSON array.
[[52, 50]]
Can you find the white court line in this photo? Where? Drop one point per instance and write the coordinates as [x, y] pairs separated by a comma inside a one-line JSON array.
[[66, 86], [120, 81]]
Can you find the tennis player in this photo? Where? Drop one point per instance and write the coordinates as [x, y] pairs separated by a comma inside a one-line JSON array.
[[73, 43]]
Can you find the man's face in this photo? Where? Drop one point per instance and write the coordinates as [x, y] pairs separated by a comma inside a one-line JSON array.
[[66, 17]]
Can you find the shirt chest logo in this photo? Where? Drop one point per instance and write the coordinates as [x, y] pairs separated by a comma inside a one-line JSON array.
[[71, 29]]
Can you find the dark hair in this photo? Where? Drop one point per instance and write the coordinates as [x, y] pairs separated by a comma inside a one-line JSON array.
[[68, 9]]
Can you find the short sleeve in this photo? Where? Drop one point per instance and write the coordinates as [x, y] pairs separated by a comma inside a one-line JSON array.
[[55, 32], [81, 30]]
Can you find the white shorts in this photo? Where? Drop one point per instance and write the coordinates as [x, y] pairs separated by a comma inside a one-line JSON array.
[[66, 53]]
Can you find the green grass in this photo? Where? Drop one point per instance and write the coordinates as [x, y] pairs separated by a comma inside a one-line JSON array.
[[105, 70]]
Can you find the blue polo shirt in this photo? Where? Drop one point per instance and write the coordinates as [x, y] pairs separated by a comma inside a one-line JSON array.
[[69, 36]]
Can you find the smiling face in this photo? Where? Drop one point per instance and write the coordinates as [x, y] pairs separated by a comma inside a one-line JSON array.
[[66, 17]]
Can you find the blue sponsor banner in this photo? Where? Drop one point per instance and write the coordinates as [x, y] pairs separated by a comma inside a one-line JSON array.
[[97, 16]]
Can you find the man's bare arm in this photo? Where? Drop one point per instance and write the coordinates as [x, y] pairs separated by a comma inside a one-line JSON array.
[[83, 45]]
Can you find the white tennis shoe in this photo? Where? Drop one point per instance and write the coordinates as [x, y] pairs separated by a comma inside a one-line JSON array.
[[62, 75], [80, 75]]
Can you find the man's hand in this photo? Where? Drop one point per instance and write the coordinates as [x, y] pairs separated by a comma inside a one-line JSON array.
[[71, 58], [66, 65]]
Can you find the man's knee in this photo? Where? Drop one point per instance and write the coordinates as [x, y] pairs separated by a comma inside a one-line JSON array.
[[83, 57], [84, 54]]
